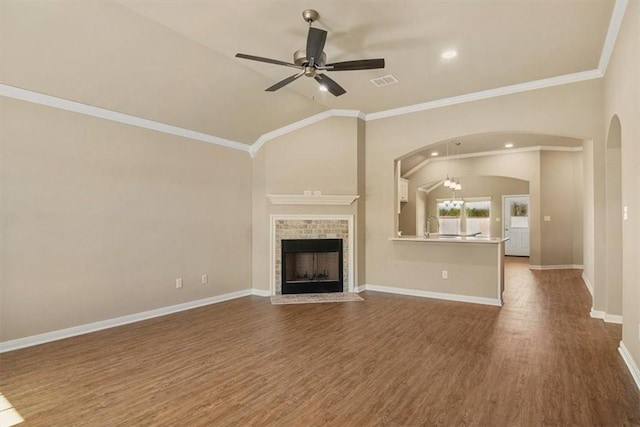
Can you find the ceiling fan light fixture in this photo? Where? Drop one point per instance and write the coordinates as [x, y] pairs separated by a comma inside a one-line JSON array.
[[508, 145], [449, 54], [323, 88]]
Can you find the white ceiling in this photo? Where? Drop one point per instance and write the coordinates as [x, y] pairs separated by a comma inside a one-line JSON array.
[[173, 61]]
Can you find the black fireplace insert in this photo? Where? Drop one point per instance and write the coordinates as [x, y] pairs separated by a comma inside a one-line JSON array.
[[311, 266]]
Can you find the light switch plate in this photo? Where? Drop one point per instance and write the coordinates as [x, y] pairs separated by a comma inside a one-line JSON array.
[[547, 218]]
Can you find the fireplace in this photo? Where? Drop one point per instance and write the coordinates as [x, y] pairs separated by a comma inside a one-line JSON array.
[[311, 266]]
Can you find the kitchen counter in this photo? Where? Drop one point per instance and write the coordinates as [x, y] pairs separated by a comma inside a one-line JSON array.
[[465, 268], [437, 238]]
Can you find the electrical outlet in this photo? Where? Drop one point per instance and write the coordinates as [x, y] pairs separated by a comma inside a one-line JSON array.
[[178, 282], [205, 279], [445, 274], [547, 218]]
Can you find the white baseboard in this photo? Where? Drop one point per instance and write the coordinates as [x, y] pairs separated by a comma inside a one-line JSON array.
[[631, 364], [434, 295], [557, 267], [609, 318], [260, 292], [118, 321], [588, 284], [358, 289], [613, 318]]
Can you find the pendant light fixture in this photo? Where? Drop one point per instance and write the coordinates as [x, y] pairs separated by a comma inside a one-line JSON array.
[[452, 183]]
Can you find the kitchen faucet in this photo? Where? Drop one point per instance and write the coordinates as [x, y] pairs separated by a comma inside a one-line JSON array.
[[427, 231]]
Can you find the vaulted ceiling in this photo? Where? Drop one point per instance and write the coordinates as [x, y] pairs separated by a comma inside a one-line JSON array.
[[174, 62]]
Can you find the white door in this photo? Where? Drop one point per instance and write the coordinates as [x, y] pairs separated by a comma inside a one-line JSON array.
[[516, 225]]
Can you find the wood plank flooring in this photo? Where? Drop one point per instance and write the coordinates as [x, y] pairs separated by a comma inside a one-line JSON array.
[[391, 360]]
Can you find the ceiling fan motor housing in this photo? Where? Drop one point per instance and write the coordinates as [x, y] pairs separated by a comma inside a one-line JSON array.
[[310, 15], [300, 58]]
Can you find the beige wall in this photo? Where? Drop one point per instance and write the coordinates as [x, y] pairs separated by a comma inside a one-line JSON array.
[[560, 189], [324, 156], [622, 98], [578, 115], [100, 218]]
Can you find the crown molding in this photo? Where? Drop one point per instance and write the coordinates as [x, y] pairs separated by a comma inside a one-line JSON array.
[[425, 162], [114, 116], [612, 34], [301, 124], [486, 94]]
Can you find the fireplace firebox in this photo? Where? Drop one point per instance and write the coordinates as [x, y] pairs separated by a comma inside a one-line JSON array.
[[311, 266]]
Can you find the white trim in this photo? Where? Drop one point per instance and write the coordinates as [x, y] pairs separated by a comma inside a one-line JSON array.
[[102, 113], [264, 138], [613, 318], [557, 267], [490, 153], [490, 93], [612, 34], [433, 295], [299, 199], [608, 318], [118, 321], [272, 245], [587, 283], [631, 364], [260, 292]]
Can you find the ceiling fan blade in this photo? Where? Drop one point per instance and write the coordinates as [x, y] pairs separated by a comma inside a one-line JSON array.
[[284, 82], [267, 60], [362, 64], [315, 43], [334, 88]]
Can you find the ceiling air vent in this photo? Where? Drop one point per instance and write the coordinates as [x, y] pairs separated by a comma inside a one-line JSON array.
[[384, 81]]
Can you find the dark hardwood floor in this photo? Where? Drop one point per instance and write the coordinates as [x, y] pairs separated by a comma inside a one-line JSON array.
[[391, 360]]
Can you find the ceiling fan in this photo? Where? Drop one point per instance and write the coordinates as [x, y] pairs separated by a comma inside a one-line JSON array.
[[313, 59]]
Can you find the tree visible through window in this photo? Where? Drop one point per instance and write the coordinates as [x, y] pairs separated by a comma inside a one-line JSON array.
[[478, 217], [472, 217]]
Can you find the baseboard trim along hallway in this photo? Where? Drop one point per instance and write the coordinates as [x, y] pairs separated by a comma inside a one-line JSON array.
[[631, 364]]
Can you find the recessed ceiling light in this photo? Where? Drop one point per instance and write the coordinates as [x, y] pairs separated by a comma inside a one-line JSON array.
[[323, 88], [448, 54], [508, 145], [434, 154]]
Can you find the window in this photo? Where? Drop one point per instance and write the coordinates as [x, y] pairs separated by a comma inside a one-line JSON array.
[[478, 216], [472, 217], [448, 218]]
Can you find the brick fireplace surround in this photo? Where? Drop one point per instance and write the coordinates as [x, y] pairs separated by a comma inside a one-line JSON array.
[[311, 227]]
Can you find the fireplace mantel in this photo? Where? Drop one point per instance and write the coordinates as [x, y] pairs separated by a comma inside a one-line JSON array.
[[301, 199]]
